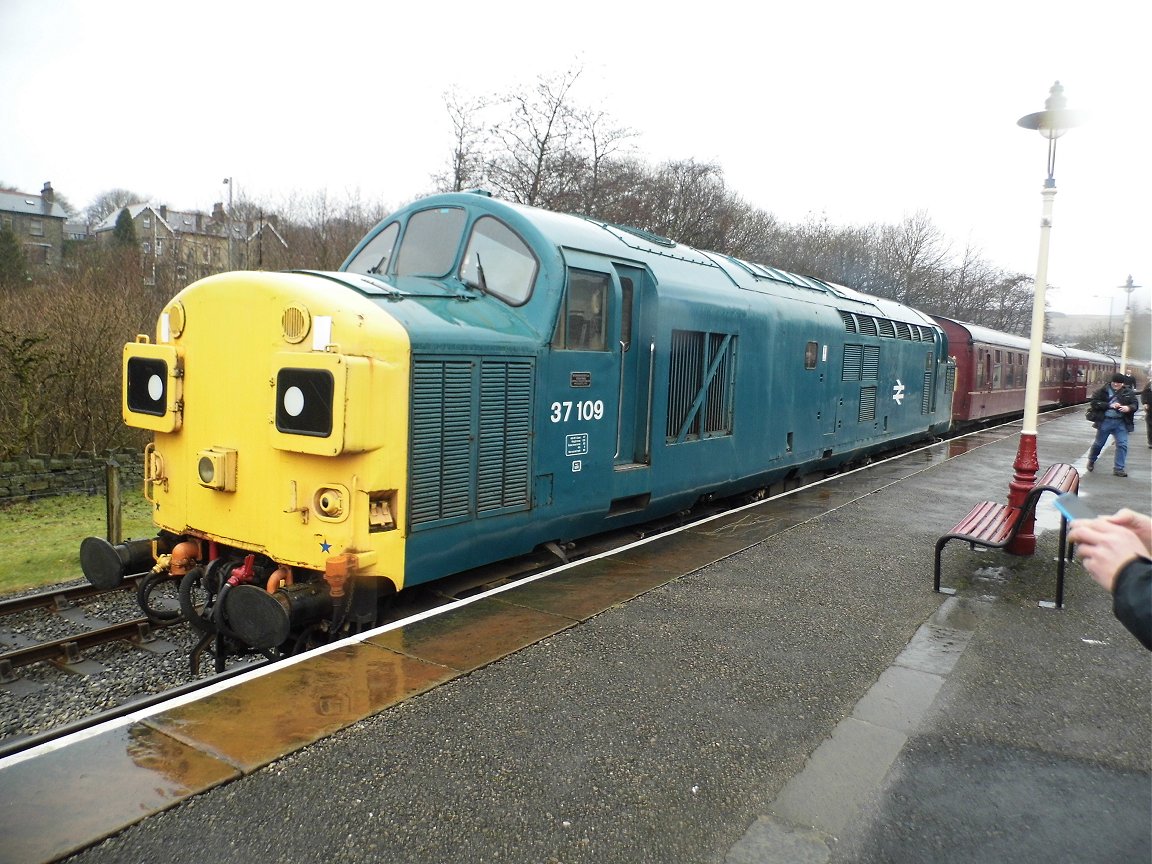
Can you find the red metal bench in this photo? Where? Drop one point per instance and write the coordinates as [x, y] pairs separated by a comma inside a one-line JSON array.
[[990, 525]]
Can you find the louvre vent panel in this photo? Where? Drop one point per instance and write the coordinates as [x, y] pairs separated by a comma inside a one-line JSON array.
[[853, 360], [867, 404], [441, 460], [849, 321], [505, 432], [903, 331], [867, 324], [887, 329], [926, 399], [471, 438], [871, 362]]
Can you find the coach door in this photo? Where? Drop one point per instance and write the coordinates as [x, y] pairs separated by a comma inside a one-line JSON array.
[[635, 350]]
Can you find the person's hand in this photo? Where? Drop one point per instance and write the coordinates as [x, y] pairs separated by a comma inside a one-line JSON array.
[[1105, 547], [1137, 523]]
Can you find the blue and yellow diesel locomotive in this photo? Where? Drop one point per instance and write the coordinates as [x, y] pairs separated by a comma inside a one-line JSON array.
[[480, 378]]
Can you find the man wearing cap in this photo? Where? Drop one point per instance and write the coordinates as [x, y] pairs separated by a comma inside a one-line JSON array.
[[1113, 409]]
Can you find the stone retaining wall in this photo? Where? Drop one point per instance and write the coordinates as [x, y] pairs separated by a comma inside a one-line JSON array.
[[41, 476]]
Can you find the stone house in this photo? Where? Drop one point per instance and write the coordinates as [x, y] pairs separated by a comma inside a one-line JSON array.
[[38, 223], [189, 245]]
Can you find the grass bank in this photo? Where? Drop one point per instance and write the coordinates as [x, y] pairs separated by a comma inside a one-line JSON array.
[[41, 538]]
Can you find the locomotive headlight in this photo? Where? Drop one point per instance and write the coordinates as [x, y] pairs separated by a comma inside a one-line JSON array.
[[216, 468], [146, 390], [304, 401], [324, 403], [152, 386]]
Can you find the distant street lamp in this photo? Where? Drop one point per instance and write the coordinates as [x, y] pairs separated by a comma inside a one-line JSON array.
[[1052, 122], [228, 223], [1129, 287]]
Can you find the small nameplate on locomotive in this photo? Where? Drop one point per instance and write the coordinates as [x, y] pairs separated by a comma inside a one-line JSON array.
[[581, 379]]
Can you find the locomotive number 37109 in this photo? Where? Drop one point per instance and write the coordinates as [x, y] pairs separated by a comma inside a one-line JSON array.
[[586, 410]]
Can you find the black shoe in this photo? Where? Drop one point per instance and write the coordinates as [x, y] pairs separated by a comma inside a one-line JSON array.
[[1119, 473], [1091, 466]]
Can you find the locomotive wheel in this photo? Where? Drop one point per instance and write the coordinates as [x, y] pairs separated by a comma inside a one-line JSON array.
[[144, 596]]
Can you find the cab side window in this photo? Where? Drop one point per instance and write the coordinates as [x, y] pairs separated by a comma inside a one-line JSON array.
[[584, 316]]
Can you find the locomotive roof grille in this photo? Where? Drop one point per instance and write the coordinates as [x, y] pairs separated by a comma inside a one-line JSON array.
[[891, 329], [658, 239]]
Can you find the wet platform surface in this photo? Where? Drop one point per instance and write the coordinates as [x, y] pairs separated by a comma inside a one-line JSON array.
[[720, 715]]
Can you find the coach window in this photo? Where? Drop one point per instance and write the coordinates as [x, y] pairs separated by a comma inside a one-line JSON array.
[[430, 242], [583, 320], [498, 262], [373, 259]]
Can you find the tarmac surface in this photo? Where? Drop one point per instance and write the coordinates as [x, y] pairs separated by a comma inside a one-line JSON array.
[[808, 699]]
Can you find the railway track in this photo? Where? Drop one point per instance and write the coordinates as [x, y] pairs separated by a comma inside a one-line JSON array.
[[68, 604]]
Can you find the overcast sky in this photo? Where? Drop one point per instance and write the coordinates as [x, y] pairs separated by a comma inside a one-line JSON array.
[[862, 112]]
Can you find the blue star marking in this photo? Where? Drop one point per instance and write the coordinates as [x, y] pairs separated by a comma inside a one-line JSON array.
[[325, 545]]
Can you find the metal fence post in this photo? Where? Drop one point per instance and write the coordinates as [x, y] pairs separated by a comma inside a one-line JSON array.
[[113, 502]]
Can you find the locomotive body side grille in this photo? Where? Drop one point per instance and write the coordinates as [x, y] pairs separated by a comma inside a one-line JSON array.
[[505, 434], [853, 361], [441, 461], [701, 378], [867, 404], [471, 438]]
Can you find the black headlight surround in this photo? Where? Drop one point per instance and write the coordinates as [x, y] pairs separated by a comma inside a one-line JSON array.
[[141, 371], [309, 392]]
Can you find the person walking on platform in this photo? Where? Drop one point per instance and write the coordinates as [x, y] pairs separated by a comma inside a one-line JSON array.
[[1113, 411], [1116, 551], [1146, 398]]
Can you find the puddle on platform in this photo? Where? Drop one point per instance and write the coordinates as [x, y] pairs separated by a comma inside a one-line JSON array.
[[998, 575]]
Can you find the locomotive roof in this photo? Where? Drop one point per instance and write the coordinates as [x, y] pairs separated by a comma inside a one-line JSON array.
[[584, 233]]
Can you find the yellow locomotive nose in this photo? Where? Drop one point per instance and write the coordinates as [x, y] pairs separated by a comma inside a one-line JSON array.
[[284, 438]]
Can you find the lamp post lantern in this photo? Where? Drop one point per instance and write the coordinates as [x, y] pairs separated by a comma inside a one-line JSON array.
[[1051, 123]]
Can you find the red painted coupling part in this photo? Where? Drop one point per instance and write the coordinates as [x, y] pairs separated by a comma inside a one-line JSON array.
[[243, 574]]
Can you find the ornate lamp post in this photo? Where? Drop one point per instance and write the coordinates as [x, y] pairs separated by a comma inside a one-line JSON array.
[[1128, 286], [1052, 122]]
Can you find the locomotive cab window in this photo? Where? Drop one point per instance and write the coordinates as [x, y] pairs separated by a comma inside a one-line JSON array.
[[583, 318], [430, 242], [498, 262], [374, 258]]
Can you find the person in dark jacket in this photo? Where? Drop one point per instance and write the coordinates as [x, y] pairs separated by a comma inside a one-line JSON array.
[[1116, 550], [1114, 408], [1146, 398]]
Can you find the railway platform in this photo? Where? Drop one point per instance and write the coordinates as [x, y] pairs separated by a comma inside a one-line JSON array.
[[779, 685]]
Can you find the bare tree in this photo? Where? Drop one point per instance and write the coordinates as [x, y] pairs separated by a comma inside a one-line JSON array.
[[537, 162], [913, 253], [604, 140], [107, 203], [466, 166]]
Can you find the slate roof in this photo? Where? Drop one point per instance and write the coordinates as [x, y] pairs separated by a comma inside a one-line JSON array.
[[30, 205]]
